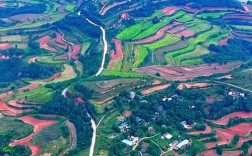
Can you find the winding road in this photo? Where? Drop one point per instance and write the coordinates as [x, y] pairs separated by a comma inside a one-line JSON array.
[[105, 48], [235, 86]]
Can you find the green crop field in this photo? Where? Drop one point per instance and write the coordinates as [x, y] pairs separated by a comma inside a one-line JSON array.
[[133, 31], [141, 54], [166, 41], [212, 15]]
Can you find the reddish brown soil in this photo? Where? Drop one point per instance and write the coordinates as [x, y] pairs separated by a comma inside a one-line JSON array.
[[80, 100], [160, 34], [44, 44], [225, 138], [242, 141], [246, 8], [156, 88], [238, 16], [250, 150], [5, 46], [156, 82], [170, 10], [224, 120], [193, 85], [206, 131], [9, 111], [14, 103], [32, 60], [60, 41], [242, 129], [186, 33], [232, 153], [160, 53], [6, 95], [55, 76], [184, 74], [118, 55], [39, 125], [107, 8], [63, 57], [210, 100], [177, 29], [127, 114], [28, 88], [2, 4], [209, 153]]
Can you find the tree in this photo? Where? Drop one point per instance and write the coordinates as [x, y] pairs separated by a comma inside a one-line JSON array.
[[219, 150]]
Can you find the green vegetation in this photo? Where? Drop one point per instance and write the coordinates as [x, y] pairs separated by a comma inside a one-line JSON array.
[[53, 138], [70, 8], [141, 54], [133, 31], [166, 41], [211, 15]]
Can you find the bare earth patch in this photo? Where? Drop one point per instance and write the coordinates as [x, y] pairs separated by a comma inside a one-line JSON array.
[[156, 88]]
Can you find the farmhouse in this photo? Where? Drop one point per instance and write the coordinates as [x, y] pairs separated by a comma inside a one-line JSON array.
[[182, 144], [174, 143], [236, 95], [186, 125], [166, 136], [131, 141], [124, 126]]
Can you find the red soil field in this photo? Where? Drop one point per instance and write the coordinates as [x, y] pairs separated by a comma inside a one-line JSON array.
[[156, 82], [61, 41], [186, 33], [210, 100], [7, 95], [160, 34], [118, 55], [28, 88], [225, 41], [32, 60], [14, 103], [238, 16], [176, 29], [246, 8], [127, 114], [106, 9], [232, 153], [242, 129], [44, 44], [39, 125], [160, 53], [170, 10], [242, 141], [209, 153], [224, 120], [225, 138], [55, 76], [9, 111], [80, 100], [250, 151], [189, 73], [2, 4], [154, 89], [194, 85], [5, 46], [63, 57], [206, 131], [76, 49]]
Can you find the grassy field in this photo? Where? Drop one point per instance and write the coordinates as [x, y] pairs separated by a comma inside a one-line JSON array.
[[40, 95], [121, 74], [70, 8], [18, 128], [53, 139], [133, 31], [242, 27], [85, 47], [198, 52], [175, 57], [141, 54], [211, 15], [166, 41]]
